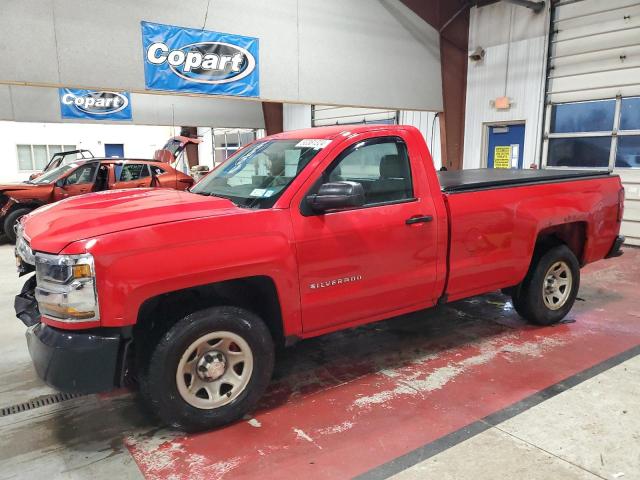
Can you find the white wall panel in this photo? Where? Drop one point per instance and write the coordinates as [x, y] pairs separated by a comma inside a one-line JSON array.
[[585, 8], [368, 53], [631, 220], [296, 116], [516, 71], [429, 126], [330, 115], [374, 53], [28, 41], [41, 104]]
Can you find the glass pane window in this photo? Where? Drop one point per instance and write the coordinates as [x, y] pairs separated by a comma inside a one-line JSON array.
[[132, 171], [82, 174], [630, 114], [24, 157], [40, 157], [53, 149], [583, 117], [579, 152], [382, 168], [628, 153]]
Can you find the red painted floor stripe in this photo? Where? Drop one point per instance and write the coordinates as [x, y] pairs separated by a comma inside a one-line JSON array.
[[376, 393]]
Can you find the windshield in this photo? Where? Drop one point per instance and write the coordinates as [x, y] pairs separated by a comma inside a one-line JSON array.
[[53, 175], [256, 176]]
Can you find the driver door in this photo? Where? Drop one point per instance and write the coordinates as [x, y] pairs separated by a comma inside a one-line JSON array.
[[78, 182], [365, 263]]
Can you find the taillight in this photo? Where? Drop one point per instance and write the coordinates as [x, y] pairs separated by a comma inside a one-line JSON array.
[[620, 204]]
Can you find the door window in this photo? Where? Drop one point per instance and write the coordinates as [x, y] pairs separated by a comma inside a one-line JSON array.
[[381, 165], [157, 170], [82, 174], [131, 171]]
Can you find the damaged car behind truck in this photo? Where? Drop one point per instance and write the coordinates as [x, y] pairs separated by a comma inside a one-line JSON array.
[[297, 235], [79, 177]]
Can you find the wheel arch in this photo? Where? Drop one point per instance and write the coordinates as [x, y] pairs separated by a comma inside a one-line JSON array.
[[257, 294], [572, 234]]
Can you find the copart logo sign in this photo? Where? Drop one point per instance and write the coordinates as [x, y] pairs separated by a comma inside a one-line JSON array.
[[200, 61], [95, 105]]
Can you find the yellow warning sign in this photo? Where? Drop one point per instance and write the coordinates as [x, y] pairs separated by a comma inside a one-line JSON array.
[[502, 156]]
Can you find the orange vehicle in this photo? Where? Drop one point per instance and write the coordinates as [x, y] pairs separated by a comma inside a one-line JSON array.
[[84, 176]]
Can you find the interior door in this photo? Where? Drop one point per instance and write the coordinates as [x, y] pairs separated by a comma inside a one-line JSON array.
[[112, 150], [132, 175], [373, 260], [78, 182], [505, 146]]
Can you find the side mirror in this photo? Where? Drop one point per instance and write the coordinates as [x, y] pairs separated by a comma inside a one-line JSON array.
[[336, 195], [60, 183]]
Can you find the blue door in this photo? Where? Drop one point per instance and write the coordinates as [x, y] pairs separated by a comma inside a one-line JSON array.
[[114, 150], [506, 145]]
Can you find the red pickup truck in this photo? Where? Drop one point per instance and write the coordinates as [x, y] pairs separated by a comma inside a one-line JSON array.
[[297, 235]]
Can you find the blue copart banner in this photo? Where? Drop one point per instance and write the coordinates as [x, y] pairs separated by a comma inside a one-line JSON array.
[[199, 61], [94, 104]]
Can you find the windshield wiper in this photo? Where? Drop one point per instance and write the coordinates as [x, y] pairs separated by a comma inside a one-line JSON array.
[[211, 194]]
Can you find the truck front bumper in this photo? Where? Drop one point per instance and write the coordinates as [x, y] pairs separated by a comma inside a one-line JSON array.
[[73, 361], [76, 362]]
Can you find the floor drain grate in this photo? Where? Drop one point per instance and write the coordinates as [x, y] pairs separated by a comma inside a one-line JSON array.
[[37, 403]]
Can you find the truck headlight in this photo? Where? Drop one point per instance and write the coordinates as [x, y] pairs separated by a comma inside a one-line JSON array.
[[23, 250], [66, 287]]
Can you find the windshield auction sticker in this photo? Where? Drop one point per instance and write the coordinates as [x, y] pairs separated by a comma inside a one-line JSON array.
[[200, 61], [312, 143]]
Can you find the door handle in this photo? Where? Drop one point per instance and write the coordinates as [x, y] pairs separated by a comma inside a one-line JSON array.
[[418, 219]]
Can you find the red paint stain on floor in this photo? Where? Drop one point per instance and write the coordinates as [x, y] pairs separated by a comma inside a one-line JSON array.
[[370, 395]]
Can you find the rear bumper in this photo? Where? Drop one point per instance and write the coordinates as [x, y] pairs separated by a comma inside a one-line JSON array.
[[616, 247], [76, 362]]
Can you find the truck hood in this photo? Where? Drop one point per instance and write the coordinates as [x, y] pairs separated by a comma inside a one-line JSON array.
[[53, 227]]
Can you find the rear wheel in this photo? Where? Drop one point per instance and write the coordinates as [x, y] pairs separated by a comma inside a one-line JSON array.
[[550, 288], [209, 369], [11, 222]]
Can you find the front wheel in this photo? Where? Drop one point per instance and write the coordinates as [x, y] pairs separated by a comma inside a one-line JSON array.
[[209, 369], [550, 288], [11, 222]]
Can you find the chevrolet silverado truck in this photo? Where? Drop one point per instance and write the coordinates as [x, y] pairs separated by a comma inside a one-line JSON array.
[[297, 235]]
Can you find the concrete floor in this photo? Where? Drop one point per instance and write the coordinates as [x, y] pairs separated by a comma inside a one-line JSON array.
[[464, 391]]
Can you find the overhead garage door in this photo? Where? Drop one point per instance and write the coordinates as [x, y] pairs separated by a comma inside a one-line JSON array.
[[593, 94]]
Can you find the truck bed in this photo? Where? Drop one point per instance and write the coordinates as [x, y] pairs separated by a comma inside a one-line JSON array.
[[488, 178]]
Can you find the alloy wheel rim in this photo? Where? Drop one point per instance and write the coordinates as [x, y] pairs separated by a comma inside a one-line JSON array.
[[557, 285], [214, 370]]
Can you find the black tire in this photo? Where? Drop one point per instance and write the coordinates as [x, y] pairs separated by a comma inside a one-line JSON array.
[[11, 220], [529, 297], [158, 383]]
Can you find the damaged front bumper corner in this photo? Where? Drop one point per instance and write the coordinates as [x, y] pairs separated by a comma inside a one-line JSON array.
[[26, 305], [83, 361]]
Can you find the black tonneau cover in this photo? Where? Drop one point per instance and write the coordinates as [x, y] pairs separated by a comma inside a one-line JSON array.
[[487, 178]]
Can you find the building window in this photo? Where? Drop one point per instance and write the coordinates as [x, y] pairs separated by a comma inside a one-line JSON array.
[[603, 134], [36, 157]]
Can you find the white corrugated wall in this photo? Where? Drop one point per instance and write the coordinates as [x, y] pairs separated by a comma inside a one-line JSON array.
[[595, 54], [514, 41]]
